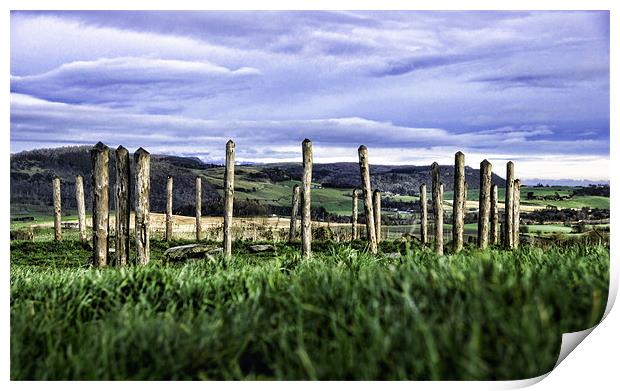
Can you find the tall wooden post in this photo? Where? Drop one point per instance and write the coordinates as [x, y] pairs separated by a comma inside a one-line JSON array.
[[57, 209], [457, 202], [362, 152], [306, 180], [494, 216], [123, 205], [484, 204], [508, 206], [81, 207], [502, 231], [169, 187], [142, 161], [516, 212], [423, 215], [437, 208], [100, 159], [465, 189], [376, 205], [354, 197], [198, 207], [229, 193], [294, 211]]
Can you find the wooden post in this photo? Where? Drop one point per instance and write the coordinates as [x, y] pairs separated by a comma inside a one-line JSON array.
[[57, 209], [198, 207], [508, 206], [484, 204], [437, 208], [354, 197], [100, 159], [229, 193], [494, 216], [516, 206], [169, 187], [423, 215], [306, 180], [294, 211], [362, 152], [123, 205], [465, 189], [142, 161], [502, 239], [457, 202], [81, 207], [376, 205]]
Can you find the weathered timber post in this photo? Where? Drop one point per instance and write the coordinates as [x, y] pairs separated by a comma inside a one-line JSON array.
[[100, 159], [354, 197], [198, 207], [142, 161], [123, 206], [57, 209], [229, 193], [169, 187], [484, 204], [502, 239], [516, 206], [362, 152], [423, 215], [457, 202], [494, 216], [306, 180], [508, 206], [81, 207], [376, 205], [465, 189], [437, 208], [294, 211]]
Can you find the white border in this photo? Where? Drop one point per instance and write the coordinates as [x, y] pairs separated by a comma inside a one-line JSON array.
[[592, 364]]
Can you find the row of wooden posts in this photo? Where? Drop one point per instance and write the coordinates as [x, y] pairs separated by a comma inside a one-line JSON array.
[[488, 214]]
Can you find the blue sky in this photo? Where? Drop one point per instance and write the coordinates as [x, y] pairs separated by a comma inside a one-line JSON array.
[[414, 86]]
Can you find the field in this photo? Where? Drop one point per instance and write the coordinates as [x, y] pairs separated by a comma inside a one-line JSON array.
[[343, 314]]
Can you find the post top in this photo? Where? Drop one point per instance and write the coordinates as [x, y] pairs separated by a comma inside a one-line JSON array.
[[306, 141], [100, 146], [459, 153], [230, 142], [518, 181], [141, 151], [362, 148], [485, 161], [435, 164], [510, 163], [121, 148], [296, 186], [169, 176], [376, 191]]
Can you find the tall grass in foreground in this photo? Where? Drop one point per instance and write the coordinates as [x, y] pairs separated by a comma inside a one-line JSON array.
[[342, 315]]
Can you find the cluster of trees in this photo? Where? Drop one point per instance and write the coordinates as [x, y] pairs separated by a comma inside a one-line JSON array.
[[592, 190], [566, 215]]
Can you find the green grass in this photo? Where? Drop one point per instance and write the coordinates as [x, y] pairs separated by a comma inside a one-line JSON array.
[[342, 315], [577, 202], [547, 229]]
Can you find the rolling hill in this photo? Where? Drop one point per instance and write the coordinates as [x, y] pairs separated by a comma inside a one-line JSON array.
[[268, 185]]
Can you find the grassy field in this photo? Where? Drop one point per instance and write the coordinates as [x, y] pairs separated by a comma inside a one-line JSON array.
[[342, 315]]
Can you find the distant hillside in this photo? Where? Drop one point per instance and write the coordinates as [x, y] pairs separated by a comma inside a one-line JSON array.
[[32, 173], [395, 179]]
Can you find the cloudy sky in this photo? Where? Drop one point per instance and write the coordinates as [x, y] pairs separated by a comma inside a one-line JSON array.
[[415, 87]]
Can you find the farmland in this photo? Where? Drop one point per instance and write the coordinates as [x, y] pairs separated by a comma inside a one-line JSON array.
[[344, 314]]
